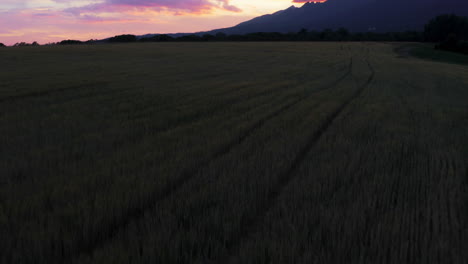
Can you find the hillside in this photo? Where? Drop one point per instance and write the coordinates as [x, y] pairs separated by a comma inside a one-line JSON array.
[[357, 16]]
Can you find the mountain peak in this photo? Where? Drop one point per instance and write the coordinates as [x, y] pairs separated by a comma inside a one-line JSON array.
[[356, 16]]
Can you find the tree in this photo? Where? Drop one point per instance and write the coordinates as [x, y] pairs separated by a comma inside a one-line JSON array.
[[343, 34], [157, 38], [22, 44], [450, 31], [328, 35], [452, 43], [313, 35], [2, 45], [207, 37], [165, 38], [192, 37], [70, 42], [123, 38], [439, 28], [221, 36], [302, 34]]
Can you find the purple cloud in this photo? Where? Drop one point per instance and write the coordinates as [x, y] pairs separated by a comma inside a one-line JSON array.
[[176, 6]]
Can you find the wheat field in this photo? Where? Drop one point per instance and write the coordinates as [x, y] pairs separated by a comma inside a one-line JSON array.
[[232, 153]]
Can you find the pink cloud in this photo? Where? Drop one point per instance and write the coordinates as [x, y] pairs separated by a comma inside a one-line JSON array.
[[52, 26], [175, 6], [110, 20], [105, 18]]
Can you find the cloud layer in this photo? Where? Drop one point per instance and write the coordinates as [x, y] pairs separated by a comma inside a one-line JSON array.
[[174, 6], [53, 20]]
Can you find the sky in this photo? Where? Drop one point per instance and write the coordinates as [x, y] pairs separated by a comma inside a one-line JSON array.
[[48, 21]]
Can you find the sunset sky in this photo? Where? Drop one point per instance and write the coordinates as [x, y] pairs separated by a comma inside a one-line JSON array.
[[53, 20]]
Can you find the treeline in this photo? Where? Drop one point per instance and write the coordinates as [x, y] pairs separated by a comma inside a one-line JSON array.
[[341, 34], [63, 42], [24, 44], [74, 42], [449, 31]]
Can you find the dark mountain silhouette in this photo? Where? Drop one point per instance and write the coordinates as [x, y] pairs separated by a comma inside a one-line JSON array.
[[355, 15]]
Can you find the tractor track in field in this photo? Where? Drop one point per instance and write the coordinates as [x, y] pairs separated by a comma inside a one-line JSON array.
[[199, 115], [104, 235], [172, 125], [251, 224]]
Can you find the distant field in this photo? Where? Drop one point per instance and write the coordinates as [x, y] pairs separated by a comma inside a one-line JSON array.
[[232, 153]]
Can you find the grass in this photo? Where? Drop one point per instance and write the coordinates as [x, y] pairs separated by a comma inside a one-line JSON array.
[[427, 51], [231, 153]]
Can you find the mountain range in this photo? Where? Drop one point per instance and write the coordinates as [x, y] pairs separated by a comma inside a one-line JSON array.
[[355, 15]]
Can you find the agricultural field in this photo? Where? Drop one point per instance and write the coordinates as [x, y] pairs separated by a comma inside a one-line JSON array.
[[232, 153]]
